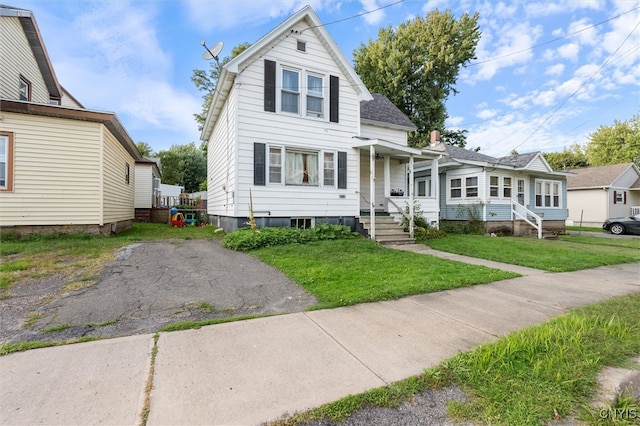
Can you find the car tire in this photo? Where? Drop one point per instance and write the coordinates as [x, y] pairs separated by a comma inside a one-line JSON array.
[[617, 229]]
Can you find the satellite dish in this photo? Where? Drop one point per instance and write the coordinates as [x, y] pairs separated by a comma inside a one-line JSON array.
[[213, 52]]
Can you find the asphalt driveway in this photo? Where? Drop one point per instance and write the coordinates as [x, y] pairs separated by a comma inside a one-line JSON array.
[[149, 285]]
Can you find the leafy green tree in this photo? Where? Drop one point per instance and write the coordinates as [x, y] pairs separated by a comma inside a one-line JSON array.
[[206, 81], [615, 144], [569, 158], [144, 149], [416, 66], [184, 165]]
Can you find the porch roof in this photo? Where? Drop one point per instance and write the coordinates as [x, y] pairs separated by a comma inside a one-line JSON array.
[[394, 150]]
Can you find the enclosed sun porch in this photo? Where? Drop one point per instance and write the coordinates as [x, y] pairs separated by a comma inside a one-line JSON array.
[[389, 192]]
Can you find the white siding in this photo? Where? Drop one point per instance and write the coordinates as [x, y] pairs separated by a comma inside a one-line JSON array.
[[68, 102], [144, 186], [118, 195], [221, 160], [392, 135], [17, 59], [591, 203], [626, 179], [57, 172], [255, 125]]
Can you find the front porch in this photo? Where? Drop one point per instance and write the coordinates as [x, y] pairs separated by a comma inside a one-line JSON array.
[[387, 184]]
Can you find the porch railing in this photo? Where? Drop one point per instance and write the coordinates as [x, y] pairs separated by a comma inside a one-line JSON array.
[[523, 213], [635, 210]]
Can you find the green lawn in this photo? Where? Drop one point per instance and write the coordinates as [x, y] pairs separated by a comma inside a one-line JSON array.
[[346, 272], [529, 377], [569, 253]]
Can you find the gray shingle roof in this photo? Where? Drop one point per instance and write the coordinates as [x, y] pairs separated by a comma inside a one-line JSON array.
[[519, 160], [596, 176], [382, 110]]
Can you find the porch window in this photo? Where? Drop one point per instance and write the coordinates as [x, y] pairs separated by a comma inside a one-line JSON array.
[[329, 169], [471, 186], [547, 193], [315, 99], [6, 161], [423, 187], [506, 187], [301, 168], [456, 188], [290, 91], [275, 165], [494, 186]]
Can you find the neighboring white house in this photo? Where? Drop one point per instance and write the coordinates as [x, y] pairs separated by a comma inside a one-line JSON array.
[[62, 167], [294, 135], [600, 192], [147, 187], [519, 194]]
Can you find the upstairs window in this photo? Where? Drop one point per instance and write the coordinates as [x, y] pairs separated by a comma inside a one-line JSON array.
[[315, 99], [24, 89], [290, 91]]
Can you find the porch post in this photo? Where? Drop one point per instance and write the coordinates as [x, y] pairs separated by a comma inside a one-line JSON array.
[[372, 190], [411, 185], [387, 176], [435, 187]]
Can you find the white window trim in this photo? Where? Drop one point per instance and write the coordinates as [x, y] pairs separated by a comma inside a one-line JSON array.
[[501, 187], [427, 184], [543, 194], [302, 91], [283, 152], [463, 187]]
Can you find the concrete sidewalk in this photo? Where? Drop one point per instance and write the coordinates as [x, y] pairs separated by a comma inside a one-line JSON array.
[[249, 372]]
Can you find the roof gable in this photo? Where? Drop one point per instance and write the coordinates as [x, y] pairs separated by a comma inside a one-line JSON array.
[[32, 33], [381, 110], [598, 176], [254, 52]]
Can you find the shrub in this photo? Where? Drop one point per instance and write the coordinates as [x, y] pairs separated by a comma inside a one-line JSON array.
[[246, 239], [462, 227], [421, 233]]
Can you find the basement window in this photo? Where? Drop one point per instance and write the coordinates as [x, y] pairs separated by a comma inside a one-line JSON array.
[[302, 222]]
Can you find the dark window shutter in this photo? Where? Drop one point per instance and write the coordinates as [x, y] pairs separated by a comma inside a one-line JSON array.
[[615, 196], [334, 95], [269, 86], [259, 160], [342, 170], [625, 197]]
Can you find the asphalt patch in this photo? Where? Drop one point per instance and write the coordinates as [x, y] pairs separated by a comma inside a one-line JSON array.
[[148, 286]]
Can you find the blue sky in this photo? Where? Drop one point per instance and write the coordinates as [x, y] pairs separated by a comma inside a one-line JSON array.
[[547, 74]]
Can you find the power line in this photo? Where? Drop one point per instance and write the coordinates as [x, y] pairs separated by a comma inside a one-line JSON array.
[[553, 40], [357, 15]]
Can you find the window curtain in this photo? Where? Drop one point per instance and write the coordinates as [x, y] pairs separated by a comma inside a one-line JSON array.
[[301, 169]]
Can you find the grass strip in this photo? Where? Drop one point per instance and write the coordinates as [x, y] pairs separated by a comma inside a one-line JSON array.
[[569, 253], [8, 348], [529, 377], [346, 272], [194, 325], [146, 410]]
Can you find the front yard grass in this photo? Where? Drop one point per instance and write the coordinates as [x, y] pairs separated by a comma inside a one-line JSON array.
[[569, 253], [346, 272], [530, 377]]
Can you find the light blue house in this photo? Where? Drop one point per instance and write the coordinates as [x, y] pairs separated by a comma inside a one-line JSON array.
[[517, 194]]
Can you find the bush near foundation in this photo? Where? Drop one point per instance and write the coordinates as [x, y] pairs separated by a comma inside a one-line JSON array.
[[246, 239]]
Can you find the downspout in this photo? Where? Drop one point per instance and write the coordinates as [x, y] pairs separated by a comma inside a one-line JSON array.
[[411, 196], [435, 186], [372, 191]]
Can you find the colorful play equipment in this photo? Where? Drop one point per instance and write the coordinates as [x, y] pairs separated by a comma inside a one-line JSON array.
[[177, 218]]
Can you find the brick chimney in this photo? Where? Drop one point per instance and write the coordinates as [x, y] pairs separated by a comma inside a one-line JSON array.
[[435, 137]]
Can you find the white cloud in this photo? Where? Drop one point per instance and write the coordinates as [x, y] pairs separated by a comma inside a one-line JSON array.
[[569, 51], [486, 114], [555, 70], [376, 16], [546, 8]]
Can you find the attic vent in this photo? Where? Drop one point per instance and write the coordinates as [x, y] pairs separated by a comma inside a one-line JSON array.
[[302, 46]]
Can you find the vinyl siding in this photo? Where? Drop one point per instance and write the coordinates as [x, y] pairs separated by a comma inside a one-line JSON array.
[[144, 186], [374, 132], [68, 102], [221, 164], [538, 165], [17, 59], [57, 172], [118, 195], [591, 203], [256, 125]]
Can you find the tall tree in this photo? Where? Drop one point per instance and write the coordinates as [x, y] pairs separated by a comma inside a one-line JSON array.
[[569, 158], [145, 149], [206, 81], [615, 144], [416, 66], [184, 165]]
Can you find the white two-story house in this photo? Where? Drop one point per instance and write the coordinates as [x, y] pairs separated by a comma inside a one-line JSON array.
[[295, 136]]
